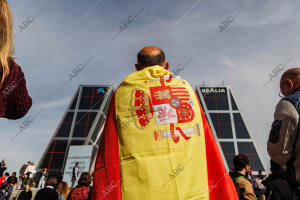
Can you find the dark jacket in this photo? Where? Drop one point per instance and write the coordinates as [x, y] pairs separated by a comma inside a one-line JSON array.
[[14, 99], [74, 173], [25, 195], [284, 138], [277, 185], [243, 186], [46, 194], [22, 170]]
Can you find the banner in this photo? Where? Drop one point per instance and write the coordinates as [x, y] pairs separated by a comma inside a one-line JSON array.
[[81, 154]]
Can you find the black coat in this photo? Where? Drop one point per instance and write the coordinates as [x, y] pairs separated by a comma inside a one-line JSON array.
[[46, 194], [25, 195], [278, 188]]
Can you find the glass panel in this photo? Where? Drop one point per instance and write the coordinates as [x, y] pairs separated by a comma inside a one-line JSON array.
[[215, 98], [83, 124], [92, 97], [229, 153], [77, 142], [57, 160], [73, 105], [233, 104], [248, 149], [240, 128], [65, 127], [45, 162], [56, 151], [60, 145], [222, 124], [99, 97], [86, 98]]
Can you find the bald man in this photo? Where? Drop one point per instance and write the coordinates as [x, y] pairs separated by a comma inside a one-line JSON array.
[[157, 143], [284, 138]]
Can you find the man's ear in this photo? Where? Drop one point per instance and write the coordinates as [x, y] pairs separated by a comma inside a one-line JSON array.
[[167, 65], [289, 86]]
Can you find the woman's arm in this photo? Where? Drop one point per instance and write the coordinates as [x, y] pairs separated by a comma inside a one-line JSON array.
[[18, 99]]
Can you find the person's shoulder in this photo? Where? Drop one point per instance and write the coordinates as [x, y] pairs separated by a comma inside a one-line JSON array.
[[283, 103], [14, 67], [15, 73], [41, 190], [286, 108], [243, 182]]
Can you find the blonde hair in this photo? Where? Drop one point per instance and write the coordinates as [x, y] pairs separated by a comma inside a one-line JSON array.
[[6, 39], [63, 189]]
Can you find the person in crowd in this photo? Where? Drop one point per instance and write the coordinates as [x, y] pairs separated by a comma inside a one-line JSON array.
[[63, 190], [259, 188], [25, 194], [14, 99], [48, 193], [152, 115], [260, 175], [277, 185], [22, 176], [13, 180], [3, 167], [12, 183], [3, 192], [29, 173], [4, 177], [82, 190], [240, 178], [284, 137], [43, 178], [75, 174]]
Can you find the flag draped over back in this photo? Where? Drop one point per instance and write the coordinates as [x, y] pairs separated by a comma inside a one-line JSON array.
[[157, 144]]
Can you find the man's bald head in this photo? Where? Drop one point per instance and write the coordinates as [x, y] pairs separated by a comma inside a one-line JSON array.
[[150, 56], [290, 81]]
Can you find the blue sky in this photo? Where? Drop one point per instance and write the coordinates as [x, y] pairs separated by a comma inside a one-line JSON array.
[[259, 36]]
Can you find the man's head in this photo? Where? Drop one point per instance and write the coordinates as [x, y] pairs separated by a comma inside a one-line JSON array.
[[150, 56], [27, 187], [13, 174], [85, 179], [290, 81], [6, 175], [51, 181], [241, 164], [77, 164]]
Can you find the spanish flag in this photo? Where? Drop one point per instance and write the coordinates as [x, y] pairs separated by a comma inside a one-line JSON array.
[[157, 144]]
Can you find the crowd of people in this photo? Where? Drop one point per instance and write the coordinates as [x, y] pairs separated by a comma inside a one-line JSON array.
[[9, 183], [55, 190], [49, 187], [273, 186], [154, 89]]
